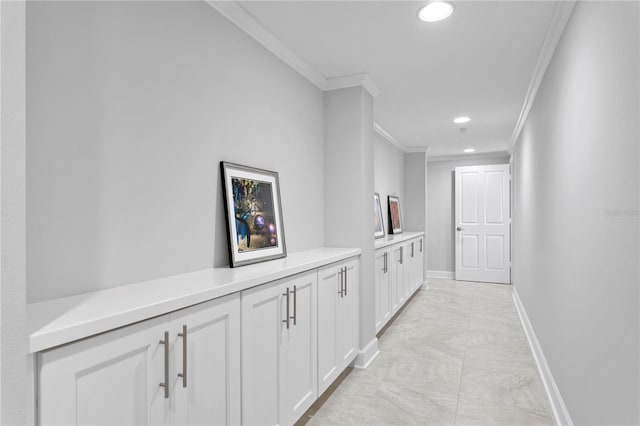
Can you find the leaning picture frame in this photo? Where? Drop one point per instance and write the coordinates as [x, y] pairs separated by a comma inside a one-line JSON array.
[[395, 218], [253, 214], [378, 221]]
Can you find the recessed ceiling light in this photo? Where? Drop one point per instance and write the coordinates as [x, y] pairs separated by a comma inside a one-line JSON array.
[[435, 11], [460, 120], [470, 150]]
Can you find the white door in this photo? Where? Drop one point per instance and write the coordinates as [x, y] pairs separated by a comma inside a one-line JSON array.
[[207, 358], [482, 225]]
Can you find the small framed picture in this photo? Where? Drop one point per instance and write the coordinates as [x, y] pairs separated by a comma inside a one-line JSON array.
[[378, 222], [253, 214], [395, 218]]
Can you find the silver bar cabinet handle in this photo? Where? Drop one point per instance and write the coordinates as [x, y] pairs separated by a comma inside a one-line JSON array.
[[401, 254], [346, 281], [412, 249], [295, 305], [386, 267], [287, 317], [184, 356], [420, 245], [165, 384]]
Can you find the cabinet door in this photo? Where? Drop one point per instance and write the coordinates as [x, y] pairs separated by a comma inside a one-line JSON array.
[[420, 262], [417, 262], [113, 378], [300, 348], [382, 287], [208, 391], [379, 288], [347, 344], [262, 323], [329, 292], [397, 284], [338, 289]]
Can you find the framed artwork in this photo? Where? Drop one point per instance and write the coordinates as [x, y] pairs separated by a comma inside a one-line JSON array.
[[253, 214], [378, 222], [395, 219]]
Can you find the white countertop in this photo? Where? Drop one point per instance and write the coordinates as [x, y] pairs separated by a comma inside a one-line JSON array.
[[59, 321], [397, 238]]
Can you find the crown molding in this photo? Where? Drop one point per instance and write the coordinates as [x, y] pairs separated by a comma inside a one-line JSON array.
[[238, 15], [352, 81], [405, 149], [551, 40], [480, 156]]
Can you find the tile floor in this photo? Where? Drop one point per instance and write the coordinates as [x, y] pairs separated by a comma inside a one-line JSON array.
[[456, 355]]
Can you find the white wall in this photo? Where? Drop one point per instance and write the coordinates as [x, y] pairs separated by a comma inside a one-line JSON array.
[[348, 194], [576, 228], [441, 210], [131, 106], [13, 345], [388, 177]]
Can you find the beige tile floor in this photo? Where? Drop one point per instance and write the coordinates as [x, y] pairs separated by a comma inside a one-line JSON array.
[[456, 355]]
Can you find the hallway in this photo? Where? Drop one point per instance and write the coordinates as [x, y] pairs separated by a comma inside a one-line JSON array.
[[457, 354]]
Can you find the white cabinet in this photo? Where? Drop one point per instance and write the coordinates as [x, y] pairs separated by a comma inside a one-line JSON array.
[[416, 263], [398, 274], [338, 289], [382, 287], [279, 350], [130, 376]]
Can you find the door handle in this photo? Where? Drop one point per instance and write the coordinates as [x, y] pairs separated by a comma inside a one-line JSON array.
[[295, 305], [165, 384], [412, 249], [287, 316], [459, 229], [184, 355], [345, 280], [341, 292]]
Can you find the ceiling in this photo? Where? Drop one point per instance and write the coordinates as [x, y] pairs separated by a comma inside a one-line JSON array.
[[479, 62]]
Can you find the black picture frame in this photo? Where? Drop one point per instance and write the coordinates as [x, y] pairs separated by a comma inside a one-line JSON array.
[[395, 217], [253, 214]]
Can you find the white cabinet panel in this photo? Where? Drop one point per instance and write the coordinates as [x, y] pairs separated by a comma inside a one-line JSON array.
[[300, 344], [399, 277], [209, 392], [263, 314], [111, 379], [279, 350], [338, 288], [382, 287]]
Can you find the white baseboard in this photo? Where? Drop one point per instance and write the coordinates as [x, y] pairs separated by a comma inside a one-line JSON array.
[[560, 413], [447, 275], [367, 354]]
